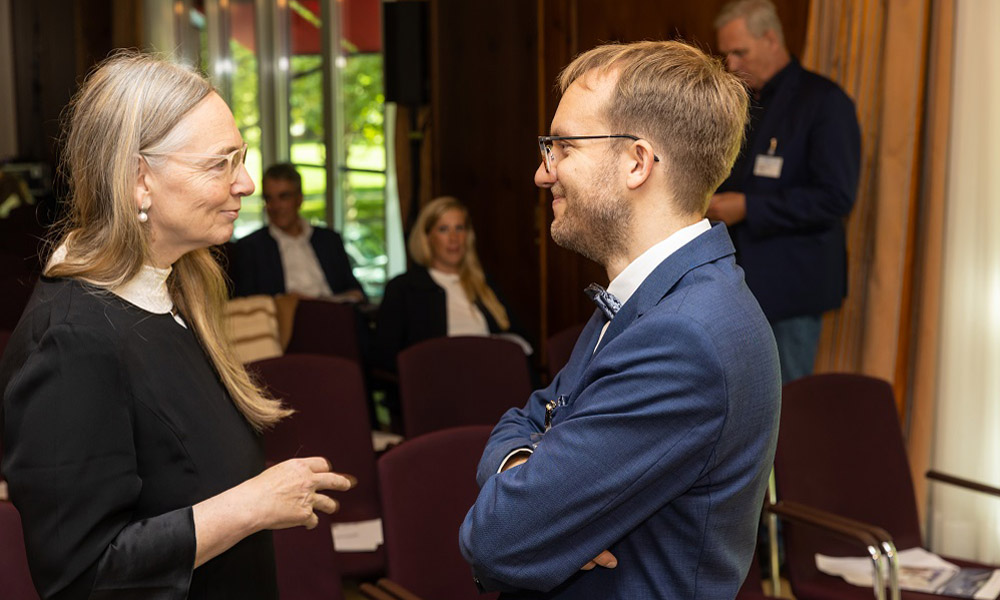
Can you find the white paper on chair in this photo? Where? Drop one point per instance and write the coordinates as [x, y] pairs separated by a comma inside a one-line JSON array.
[[919, 571], [359, 536]]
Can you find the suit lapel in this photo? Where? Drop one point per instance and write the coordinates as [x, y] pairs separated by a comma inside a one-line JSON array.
[[707, 247]]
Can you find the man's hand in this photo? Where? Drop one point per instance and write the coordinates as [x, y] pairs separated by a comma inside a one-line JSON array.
[[728, 207], [604, 559]]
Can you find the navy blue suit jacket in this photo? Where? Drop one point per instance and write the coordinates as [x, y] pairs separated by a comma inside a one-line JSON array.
[[259, 270], [791, 244], [659, 450]]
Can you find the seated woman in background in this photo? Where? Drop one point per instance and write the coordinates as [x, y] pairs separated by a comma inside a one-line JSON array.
[[131, 431], [445, 293]]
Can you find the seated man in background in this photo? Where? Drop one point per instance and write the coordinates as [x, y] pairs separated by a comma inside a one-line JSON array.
[[290, 255]]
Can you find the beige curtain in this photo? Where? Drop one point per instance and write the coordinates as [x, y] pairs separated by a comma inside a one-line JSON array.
[[892, 57], [967, 413]]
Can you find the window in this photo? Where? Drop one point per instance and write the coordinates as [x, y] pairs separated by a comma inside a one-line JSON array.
[[304, 81]]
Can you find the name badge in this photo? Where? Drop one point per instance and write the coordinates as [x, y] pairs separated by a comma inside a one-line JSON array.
[[767, 166]]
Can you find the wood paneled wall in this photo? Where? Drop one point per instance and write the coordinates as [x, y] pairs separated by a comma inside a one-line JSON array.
[[493, 70]]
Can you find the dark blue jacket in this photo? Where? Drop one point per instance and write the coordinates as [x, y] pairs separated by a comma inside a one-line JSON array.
[[791, 244], [258, 268], [659, 451]]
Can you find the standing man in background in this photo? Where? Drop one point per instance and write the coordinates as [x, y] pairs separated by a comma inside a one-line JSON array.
[[290, 255], [793, 184], [640, 471]]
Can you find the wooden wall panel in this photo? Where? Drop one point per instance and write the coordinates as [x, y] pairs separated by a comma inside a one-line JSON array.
[[483, 74], [494, 66]]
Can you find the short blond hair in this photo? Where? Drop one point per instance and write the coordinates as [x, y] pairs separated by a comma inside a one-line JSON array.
[[682, 101]]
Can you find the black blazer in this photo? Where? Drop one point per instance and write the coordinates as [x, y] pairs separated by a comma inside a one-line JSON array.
[[258, 267], [114, 425], [791, 244], [414, 309]]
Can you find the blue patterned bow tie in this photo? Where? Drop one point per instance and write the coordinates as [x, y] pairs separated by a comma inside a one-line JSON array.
[[604, 300]]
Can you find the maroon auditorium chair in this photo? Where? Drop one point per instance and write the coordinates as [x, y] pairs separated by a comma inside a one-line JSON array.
[[16, 291], [15, 580], [306, 563], [840, 450], [428, 485], [323, 327], [453, 381], [331, 420], [559, 347]]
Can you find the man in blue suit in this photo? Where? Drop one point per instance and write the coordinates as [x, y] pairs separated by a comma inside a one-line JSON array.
[[640, 471], [793, 184]]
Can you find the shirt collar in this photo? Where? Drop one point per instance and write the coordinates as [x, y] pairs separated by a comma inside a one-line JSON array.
[[632, 276], [772, 85], [280, 235], [148, 290]]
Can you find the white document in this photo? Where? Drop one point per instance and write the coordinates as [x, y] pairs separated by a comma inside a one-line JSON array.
[[383, 439], [919, 571], [360, 536]]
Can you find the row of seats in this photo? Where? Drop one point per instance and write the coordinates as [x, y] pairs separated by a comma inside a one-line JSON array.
[[839, 446], [441, 382]]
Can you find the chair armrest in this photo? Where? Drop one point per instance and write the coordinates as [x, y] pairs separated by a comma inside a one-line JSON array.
[[964, 483], [387, 589], [373, 592], [886, 544], [848, 530]]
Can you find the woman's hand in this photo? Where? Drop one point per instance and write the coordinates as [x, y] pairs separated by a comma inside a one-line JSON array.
[[285, 495], [289, 493]]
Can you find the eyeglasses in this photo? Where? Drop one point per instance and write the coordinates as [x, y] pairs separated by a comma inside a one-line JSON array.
[[551, 154], [217, 164]]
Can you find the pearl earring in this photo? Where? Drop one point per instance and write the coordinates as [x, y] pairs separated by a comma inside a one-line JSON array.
[[143, 214]]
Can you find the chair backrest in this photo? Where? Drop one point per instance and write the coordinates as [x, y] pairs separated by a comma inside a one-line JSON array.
[[331, 420], [15, 579], [560, 346], [328, 328], [429, 484], [454, 381], [840, 448], [14, 298], [306, 563]]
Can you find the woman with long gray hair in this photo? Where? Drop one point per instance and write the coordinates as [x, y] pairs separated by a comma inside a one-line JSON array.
[[130, 428]]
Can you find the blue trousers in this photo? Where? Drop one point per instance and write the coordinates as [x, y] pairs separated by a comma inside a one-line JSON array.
[[797, 338]]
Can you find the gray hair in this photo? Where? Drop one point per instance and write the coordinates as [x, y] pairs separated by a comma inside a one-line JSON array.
[[130, 104], [760, 16]]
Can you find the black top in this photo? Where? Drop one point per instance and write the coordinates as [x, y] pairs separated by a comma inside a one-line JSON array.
[[114, 424], [414, 308], [791, 244], [258, 268]]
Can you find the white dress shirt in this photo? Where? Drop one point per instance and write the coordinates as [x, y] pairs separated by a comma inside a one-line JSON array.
[[632, 276], [298, 259], [464, 317]]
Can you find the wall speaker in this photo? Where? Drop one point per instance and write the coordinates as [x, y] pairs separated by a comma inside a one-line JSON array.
[[404, 38]]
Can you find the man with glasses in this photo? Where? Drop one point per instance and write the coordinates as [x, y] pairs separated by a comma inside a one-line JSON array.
[[793, 184], [290, 255], [640, 471]]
